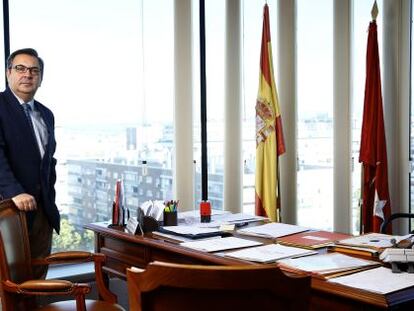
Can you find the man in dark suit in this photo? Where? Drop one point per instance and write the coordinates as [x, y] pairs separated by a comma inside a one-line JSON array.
[[27, 145]]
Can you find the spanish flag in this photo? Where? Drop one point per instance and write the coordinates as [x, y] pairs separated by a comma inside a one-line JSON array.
[[269, 134]]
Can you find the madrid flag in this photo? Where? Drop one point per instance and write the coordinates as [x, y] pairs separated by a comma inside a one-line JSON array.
[[376, 204], [269, 134]]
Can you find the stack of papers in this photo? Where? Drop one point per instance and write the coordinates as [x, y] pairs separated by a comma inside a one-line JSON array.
[[312, 239], [220, 244], [377, 241], [397, 255], [272, 230], [218, 218], [192, 232], [191, 227], [379, 280], [153, 209], [193, 217], [238, 218], [326, 264], [269, 253]]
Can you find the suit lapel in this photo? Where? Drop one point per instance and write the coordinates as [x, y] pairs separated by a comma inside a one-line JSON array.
[[22, 123], [49, 126]]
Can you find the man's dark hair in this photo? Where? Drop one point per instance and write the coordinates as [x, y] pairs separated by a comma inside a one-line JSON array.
[[27, 51]]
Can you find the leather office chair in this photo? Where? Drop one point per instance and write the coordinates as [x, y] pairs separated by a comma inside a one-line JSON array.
[[18, 290], [168, 286], [384, 225]]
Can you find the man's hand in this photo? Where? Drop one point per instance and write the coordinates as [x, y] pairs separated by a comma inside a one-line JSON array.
[[25, 202]]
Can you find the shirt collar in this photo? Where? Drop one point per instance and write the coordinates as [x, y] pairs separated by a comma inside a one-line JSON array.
[[30, 102]]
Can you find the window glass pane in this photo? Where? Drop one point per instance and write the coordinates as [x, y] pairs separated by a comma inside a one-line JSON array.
[[214, 36], [411, 207], [252, 23], [361, 19], [2, 57], [315, 109], [196, 103], [108, 77], [215, 47]]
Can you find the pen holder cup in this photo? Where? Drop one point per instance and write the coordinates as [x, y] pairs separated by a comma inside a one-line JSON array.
[[149, 224], [170, 218]]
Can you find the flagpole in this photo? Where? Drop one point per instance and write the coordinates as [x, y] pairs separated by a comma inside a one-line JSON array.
[[203, 108], [374, 14], [361, 202], [6, 31]]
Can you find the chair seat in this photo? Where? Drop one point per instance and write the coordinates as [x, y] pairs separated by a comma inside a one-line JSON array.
[[91, 305]]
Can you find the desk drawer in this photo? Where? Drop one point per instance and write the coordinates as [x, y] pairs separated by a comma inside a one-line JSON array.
[[129, 253]]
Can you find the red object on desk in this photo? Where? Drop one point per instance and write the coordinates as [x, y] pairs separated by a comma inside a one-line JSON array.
[[205, 211]]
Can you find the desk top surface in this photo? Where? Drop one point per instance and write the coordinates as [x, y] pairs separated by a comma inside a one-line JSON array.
[[320, 285]]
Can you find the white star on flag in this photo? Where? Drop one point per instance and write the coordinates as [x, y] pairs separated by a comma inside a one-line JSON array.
[[379, 206]]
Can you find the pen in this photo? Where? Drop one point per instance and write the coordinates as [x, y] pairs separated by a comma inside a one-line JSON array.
[[241, 224]]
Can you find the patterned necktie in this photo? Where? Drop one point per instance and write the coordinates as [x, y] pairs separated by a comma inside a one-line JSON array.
[[27, 111]]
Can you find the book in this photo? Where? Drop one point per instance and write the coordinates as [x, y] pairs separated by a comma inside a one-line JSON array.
[[312, 239], [354, 250], [269, 253]]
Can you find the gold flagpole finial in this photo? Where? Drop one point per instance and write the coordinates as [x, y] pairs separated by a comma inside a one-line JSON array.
[[374, 11]]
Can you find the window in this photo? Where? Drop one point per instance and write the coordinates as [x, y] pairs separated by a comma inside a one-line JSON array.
[[214, 36], [411, 143], [2, 76], [252, 23], [315, 113], [108, 75]]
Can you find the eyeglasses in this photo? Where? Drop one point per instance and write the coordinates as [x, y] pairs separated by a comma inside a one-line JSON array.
[[23, 69]]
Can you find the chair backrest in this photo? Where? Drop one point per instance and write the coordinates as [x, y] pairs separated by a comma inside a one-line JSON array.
[[394, 216], [167, 286], [14, 246]]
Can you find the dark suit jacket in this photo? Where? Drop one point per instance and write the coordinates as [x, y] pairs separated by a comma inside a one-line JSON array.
[[21, 168]]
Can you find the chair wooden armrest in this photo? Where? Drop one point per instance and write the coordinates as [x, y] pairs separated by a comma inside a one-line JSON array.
[[74, 257], [65, 258], [47, 287]]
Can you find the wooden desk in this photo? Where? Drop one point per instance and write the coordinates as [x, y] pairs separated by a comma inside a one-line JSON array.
[[124, 250]]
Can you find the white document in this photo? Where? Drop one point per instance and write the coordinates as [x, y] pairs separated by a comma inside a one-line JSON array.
[[173, 237], [193, 217], [373, 240], [397, 255], [270, 253], [153, 209], [326, 263], [378, 280], [177, 238], [157, 210], [220, 244], [229, 218], [190, 230], [272, 230]]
